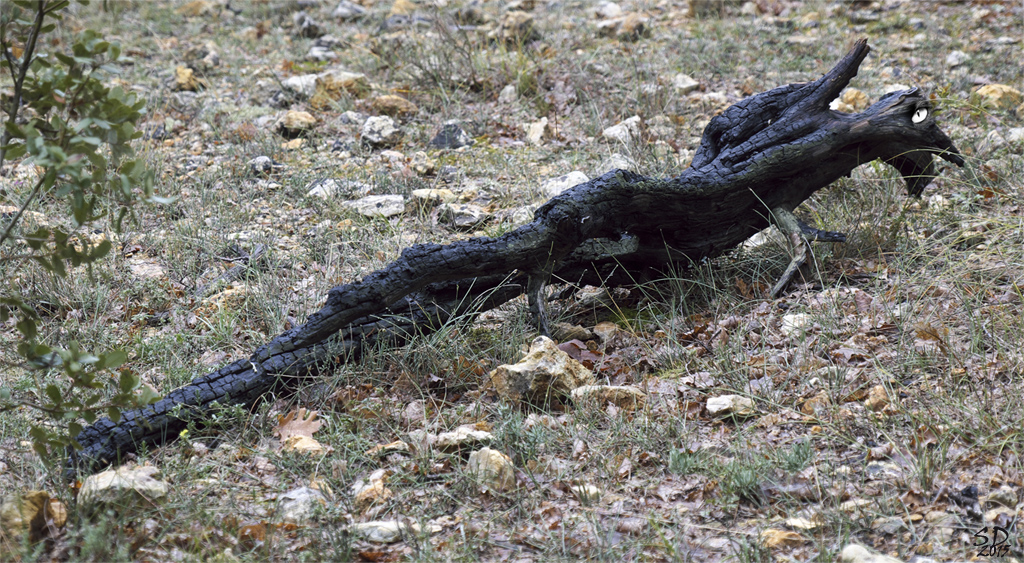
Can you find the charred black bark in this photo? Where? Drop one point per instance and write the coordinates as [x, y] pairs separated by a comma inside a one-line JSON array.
[[759, 158]]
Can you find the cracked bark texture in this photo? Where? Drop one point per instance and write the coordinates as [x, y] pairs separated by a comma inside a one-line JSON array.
[[770, 151]]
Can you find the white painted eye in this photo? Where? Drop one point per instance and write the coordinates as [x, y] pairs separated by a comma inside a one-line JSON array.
[[920, 115]]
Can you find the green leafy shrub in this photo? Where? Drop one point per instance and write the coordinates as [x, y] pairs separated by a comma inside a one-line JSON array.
[[77, 132]]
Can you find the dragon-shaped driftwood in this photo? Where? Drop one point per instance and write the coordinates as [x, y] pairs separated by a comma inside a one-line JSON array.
[[756, 162]]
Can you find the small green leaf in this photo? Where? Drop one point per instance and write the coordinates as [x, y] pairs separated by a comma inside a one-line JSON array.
[[15, 151], [40, 449], [27, 328], [40, 350], [38, 434], [58, 267], [49, 178], [148, 396], [53, 392], [14, 130], [114, 414], [101, 250], [60, 5], [128, 381], [88, 140], [36, 239], [88, 359], [113, 359]]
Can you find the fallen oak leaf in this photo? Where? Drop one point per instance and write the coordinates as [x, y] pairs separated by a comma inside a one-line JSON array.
[[584, 353], [347, 398], [299, 422], [252, 536], [928, 337], [925, 331], [926, 436]]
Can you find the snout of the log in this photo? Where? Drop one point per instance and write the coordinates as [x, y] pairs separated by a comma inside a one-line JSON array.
[[903, 126]]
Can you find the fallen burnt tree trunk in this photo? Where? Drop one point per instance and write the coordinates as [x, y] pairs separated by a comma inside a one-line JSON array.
[[757, 161]]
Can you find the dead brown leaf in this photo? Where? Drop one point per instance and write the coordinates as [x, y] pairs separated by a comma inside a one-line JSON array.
[[816, 404], [773, 538], [625, 468], [299, 422], [691, 409], [346, 398], [631, 525], [928, 337], [745, 289], [878, 398], [378, 555], [252, 536], [925, 436], [881, 452]]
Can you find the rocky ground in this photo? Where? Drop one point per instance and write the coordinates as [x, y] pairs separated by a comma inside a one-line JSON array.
[[876, 407]]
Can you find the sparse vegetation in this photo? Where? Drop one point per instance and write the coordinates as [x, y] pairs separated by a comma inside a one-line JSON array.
[[882, 387]]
